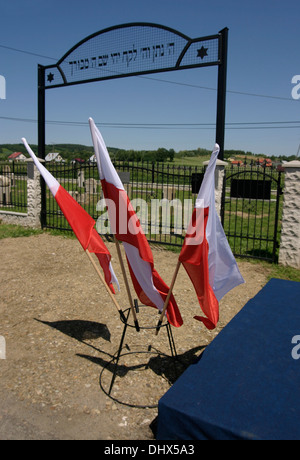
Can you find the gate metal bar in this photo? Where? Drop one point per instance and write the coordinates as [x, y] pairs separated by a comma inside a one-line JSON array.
[[250, 213], [93, 60]]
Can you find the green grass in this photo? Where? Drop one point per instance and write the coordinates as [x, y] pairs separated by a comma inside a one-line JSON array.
[[275, 270], [190, 161], [272, 270], [15, 231]]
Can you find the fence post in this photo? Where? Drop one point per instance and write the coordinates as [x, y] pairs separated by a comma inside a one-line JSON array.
[[34, 206], [289, 252], [219, 179]]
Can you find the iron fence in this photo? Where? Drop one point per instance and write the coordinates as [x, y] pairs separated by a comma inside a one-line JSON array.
[[252, 209], [13, 186], [163, 196]]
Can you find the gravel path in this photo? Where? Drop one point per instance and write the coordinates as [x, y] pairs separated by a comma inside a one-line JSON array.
[[62, 331]]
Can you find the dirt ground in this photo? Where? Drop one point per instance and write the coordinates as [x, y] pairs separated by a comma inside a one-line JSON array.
[[62, 331]]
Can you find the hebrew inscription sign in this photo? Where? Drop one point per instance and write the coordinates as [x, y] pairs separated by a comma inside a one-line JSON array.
[[131, 49]]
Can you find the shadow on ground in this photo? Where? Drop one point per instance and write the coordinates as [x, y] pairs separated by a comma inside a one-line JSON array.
[[161, 364]]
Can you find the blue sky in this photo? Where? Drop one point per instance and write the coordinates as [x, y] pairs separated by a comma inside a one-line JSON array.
[[263, 57]]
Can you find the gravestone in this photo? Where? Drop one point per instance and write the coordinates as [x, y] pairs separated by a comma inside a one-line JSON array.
[[90, 186], [5, 190]]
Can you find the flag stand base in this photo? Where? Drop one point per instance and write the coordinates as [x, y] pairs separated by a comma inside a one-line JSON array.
[[125, 353]]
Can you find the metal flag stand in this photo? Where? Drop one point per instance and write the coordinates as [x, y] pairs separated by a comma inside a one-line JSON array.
[[150, 350]]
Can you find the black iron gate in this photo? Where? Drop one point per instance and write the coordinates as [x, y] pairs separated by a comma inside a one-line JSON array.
[[251, 210], [163, 196]]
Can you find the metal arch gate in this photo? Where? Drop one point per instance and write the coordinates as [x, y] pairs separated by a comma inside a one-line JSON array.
[[131, 50], [250, 212]]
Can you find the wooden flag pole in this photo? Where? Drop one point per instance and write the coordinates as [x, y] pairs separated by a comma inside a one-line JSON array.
[[168, 298], [127, 284], [105, 285]]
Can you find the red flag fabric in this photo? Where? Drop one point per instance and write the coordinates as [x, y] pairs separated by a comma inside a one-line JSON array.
[[149, 286], [206, 254], [194, 258], [80, 221]]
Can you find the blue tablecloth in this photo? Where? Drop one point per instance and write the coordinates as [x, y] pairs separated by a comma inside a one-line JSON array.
[[247, 383]]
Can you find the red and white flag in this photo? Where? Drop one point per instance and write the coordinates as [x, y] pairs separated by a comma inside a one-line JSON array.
[[80, 221], [149, 286], [206, 254]]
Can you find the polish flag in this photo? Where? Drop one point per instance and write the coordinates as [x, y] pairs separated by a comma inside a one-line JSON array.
[[149, 286], [81, 222], [206, 254]]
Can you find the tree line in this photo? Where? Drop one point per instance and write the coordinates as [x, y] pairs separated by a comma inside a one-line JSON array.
[[70, 152]]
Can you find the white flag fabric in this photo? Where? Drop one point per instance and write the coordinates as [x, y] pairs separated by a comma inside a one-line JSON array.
[[206, 254]]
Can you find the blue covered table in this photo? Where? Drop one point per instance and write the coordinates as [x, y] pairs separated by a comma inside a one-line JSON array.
[[247, 383]]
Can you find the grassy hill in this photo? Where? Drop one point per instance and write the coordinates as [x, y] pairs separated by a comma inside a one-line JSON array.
[[184, 157]]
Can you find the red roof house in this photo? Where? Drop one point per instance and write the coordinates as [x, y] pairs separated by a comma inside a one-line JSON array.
[[17, 156]]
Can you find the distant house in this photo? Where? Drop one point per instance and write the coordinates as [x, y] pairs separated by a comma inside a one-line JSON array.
[[269, 163], [53, 156], [17, 156], [236, 162], [264, 162], [92, 159], [78, 160]]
